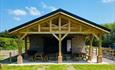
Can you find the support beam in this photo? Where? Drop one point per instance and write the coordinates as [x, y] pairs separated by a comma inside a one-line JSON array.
[[57, 32], [80, 28], [54, 25], [60, 53], [59, 23], [39, 28], [26, 45], [24, 36], [1, 66], [19, 58], [91, 49], [50, 25], [69, 25], [64, 25], [96, 36], [64, 36], [55, 36], [99, 56]]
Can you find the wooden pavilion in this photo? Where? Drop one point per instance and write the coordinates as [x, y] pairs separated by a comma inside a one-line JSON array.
[[59, 31]]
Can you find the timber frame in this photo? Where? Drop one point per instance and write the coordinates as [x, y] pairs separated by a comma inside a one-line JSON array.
[[60, 23]]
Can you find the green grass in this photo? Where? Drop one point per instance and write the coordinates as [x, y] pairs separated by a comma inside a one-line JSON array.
[[62, 67], [35, 67], [94, 67]]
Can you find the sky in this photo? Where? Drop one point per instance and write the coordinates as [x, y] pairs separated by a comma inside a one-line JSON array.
[[17, 12]]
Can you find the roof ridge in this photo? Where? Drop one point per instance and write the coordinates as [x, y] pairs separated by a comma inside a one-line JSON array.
[[56, 11]]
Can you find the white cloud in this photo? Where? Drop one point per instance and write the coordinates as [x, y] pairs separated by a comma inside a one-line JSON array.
[[17, 18], [52, 8], [108, 1], [33, 11], [18, 12]]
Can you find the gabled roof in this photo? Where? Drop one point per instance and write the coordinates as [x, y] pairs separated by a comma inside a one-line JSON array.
[[62, 11]]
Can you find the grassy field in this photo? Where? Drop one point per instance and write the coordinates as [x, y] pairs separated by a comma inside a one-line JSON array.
[[94, 67], [61, 67]]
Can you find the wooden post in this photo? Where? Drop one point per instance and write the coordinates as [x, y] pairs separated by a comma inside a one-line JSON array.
[[39, 29], [69, 25], [19, 58], [28, 43], [90, 49], [60, 38], [50, 25], [25, 44], [60, 53], [10, 55], [1, 66], [59, 23], [99, 57]]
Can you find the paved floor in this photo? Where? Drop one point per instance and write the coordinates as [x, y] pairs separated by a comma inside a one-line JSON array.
[[94, 61], [105, 60]]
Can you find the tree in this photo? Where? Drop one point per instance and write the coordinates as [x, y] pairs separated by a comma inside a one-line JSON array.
[[109, 39], [6, 34]]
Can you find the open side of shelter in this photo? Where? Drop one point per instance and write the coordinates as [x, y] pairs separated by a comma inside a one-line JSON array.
[[59, 32]]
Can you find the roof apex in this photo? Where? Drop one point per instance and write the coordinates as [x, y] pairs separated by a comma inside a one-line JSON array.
[[56, 11]]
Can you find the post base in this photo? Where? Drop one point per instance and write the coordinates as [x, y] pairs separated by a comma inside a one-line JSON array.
[[19, 59], [1, 66], [99, 59], [59, 59]]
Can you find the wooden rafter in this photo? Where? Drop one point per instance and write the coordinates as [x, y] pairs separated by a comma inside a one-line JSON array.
[[64, 36], [69, 25], [59, 23], [96, 36], [63, 32], [50, 23], [55, 36], [65, 25], [23, 36], [54, 25], [39, 28], [80, 28]]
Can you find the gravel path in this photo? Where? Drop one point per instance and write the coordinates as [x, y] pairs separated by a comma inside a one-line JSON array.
[[70, 67]]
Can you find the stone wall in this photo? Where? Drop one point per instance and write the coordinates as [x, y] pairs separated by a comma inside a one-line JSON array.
[[77, 43]]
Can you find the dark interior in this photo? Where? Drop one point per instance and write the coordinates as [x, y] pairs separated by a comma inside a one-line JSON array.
[[51, 45], [47, 44]]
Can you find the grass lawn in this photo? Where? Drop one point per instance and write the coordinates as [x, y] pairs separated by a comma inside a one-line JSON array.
[[61, 67], [32, 67], [94, 67]]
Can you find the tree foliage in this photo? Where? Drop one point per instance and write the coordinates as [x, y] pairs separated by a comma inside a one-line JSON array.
[[6, 34], [109, 39]]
